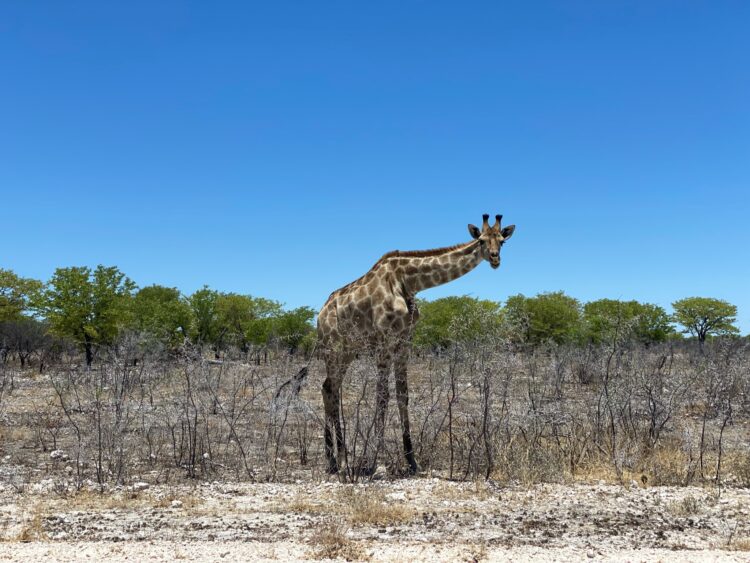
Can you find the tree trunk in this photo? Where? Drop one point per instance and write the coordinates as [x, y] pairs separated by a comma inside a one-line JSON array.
[[88, 346]]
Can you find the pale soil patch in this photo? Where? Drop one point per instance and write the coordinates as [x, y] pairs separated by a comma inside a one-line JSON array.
[[403, 520]]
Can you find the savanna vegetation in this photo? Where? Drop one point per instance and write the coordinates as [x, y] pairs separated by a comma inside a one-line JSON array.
[[103, 382]]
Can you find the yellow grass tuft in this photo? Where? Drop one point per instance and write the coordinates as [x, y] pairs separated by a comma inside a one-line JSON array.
[[33, 526], [358, 506], [331, 542]]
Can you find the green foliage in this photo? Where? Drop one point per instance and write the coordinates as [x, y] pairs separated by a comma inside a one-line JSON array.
[[205, 315], [265, 312], [230, 319], [162, 312], [234, 315], [87, 307], [90, 308], [705, 316], [17, 295], [548, 316], [456, 319], [294, 328], [607, 320]]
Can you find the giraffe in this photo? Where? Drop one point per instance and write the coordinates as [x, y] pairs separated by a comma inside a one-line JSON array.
[[378, 312]]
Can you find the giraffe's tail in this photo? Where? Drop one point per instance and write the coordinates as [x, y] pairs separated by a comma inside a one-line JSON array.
[[294, 384]]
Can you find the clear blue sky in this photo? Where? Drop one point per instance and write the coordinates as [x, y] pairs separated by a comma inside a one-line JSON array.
[[279, 148]]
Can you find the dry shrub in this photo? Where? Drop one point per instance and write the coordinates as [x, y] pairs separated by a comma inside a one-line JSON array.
[[738, 464], [511, 413], [668, 465], [529, 464], [331, 542]]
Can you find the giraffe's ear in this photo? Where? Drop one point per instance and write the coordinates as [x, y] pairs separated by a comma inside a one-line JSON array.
[[474, 231], [507, 232]]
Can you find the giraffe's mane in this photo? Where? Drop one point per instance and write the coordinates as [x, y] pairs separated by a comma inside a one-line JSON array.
[[421, 253], [405, 254]]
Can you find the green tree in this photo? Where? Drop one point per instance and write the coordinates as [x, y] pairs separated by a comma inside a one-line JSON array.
[[17, 295], [205, 316], [234, 315], [87, 307], [548, 316], [705, 316], [456, 319], [162, 312], [291, 328], [608, 319], [265, 313]]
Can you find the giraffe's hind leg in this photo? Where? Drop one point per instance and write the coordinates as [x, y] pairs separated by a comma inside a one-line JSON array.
[[382, 396]]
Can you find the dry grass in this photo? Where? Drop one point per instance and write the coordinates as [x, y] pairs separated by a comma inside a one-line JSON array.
[[304, 503], [478, 553], [742, 544], [331, 542], [371, 507], [188, 501], [358, 506], [90, 500], [688, 506], [477, 490], [32, 528]]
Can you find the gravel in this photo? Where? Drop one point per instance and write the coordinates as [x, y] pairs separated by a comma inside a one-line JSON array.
[[430, 519]]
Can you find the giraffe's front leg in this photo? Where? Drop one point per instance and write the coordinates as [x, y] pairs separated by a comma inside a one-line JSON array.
[[402, 397], [330, 424]]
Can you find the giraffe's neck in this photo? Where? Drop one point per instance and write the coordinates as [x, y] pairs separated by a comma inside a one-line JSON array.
[[423, 272]]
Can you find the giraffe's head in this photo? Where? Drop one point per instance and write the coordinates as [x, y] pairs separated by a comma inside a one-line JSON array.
[[491, 238]]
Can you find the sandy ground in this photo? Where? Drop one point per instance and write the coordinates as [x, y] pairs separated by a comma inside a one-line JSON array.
[[403, 520]]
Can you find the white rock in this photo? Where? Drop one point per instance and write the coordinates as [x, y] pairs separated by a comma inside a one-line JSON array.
[[140, 486], [57, 454], [176, 504], [44, 486]]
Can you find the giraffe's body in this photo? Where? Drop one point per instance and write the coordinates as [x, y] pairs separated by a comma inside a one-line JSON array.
[[382, 303], [377, 312]]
